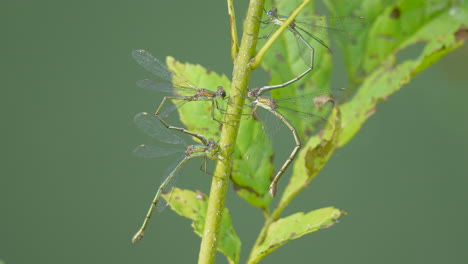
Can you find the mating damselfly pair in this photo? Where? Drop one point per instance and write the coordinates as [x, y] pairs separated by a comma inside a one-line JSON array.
[[182, 91]]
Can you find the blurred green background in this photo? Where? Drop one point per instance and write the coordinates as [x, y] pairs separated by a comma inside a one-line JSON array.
[[71, 191]]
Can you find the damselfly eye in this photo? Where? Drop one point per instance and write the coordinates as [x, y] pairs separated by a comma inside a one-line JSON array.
[[221, 92]]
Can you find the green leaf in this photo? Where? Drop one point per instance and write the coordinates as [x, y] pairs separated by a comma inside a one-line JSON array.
[[406, 23], [252, 161], [193, 206], [294, 226], [353, 51], [395, 29], [196, 115]]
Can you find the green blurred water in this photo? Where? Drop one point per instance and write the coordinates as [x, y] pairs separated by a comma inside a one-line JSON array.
[[71, 191]]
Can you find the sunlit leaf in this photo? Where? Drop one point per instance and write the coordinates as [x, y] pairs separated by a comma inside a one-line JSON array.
[[294, 226], [430, 27]]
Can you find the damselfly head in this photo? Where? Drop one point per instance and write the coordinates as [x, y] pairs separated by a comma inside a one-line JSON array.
[[221, 92], [212, 144], [252, 93], [273, 12]]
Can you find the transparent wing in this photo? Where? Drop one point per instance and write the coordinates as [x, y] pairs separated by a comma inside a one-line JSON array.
[[265, 136], [159, 86], [152, 127], [171, 108], [152, 64], [338, 24], [308, 112], [311, 99], [270, 125], [304, 51], [340, 28], [156, 67], [152, 151]]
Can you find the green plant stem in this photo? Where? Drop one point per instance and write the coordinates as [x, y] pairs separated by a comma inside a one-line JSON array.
[[232, 22], [240, 79]]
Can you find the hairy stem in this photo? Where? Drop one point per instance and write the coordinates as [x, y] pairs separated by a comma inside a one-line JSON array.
[[240, 79]]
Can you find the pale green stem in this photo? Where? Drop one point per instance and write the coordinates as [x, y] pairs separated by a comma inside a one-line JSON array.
[[240, 79], [232, 22]]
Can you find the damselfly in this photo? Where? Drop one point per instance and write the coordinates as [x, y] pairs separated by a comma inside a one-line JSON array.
[[152, 126], [174, 83], [340, 27], [314, 102]]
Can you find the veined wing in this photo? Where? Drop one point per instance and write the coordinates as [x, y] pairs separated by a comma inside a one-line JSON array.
[[156, 67], [159, 86], [153, 127], [152, 151], [340, 28]]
